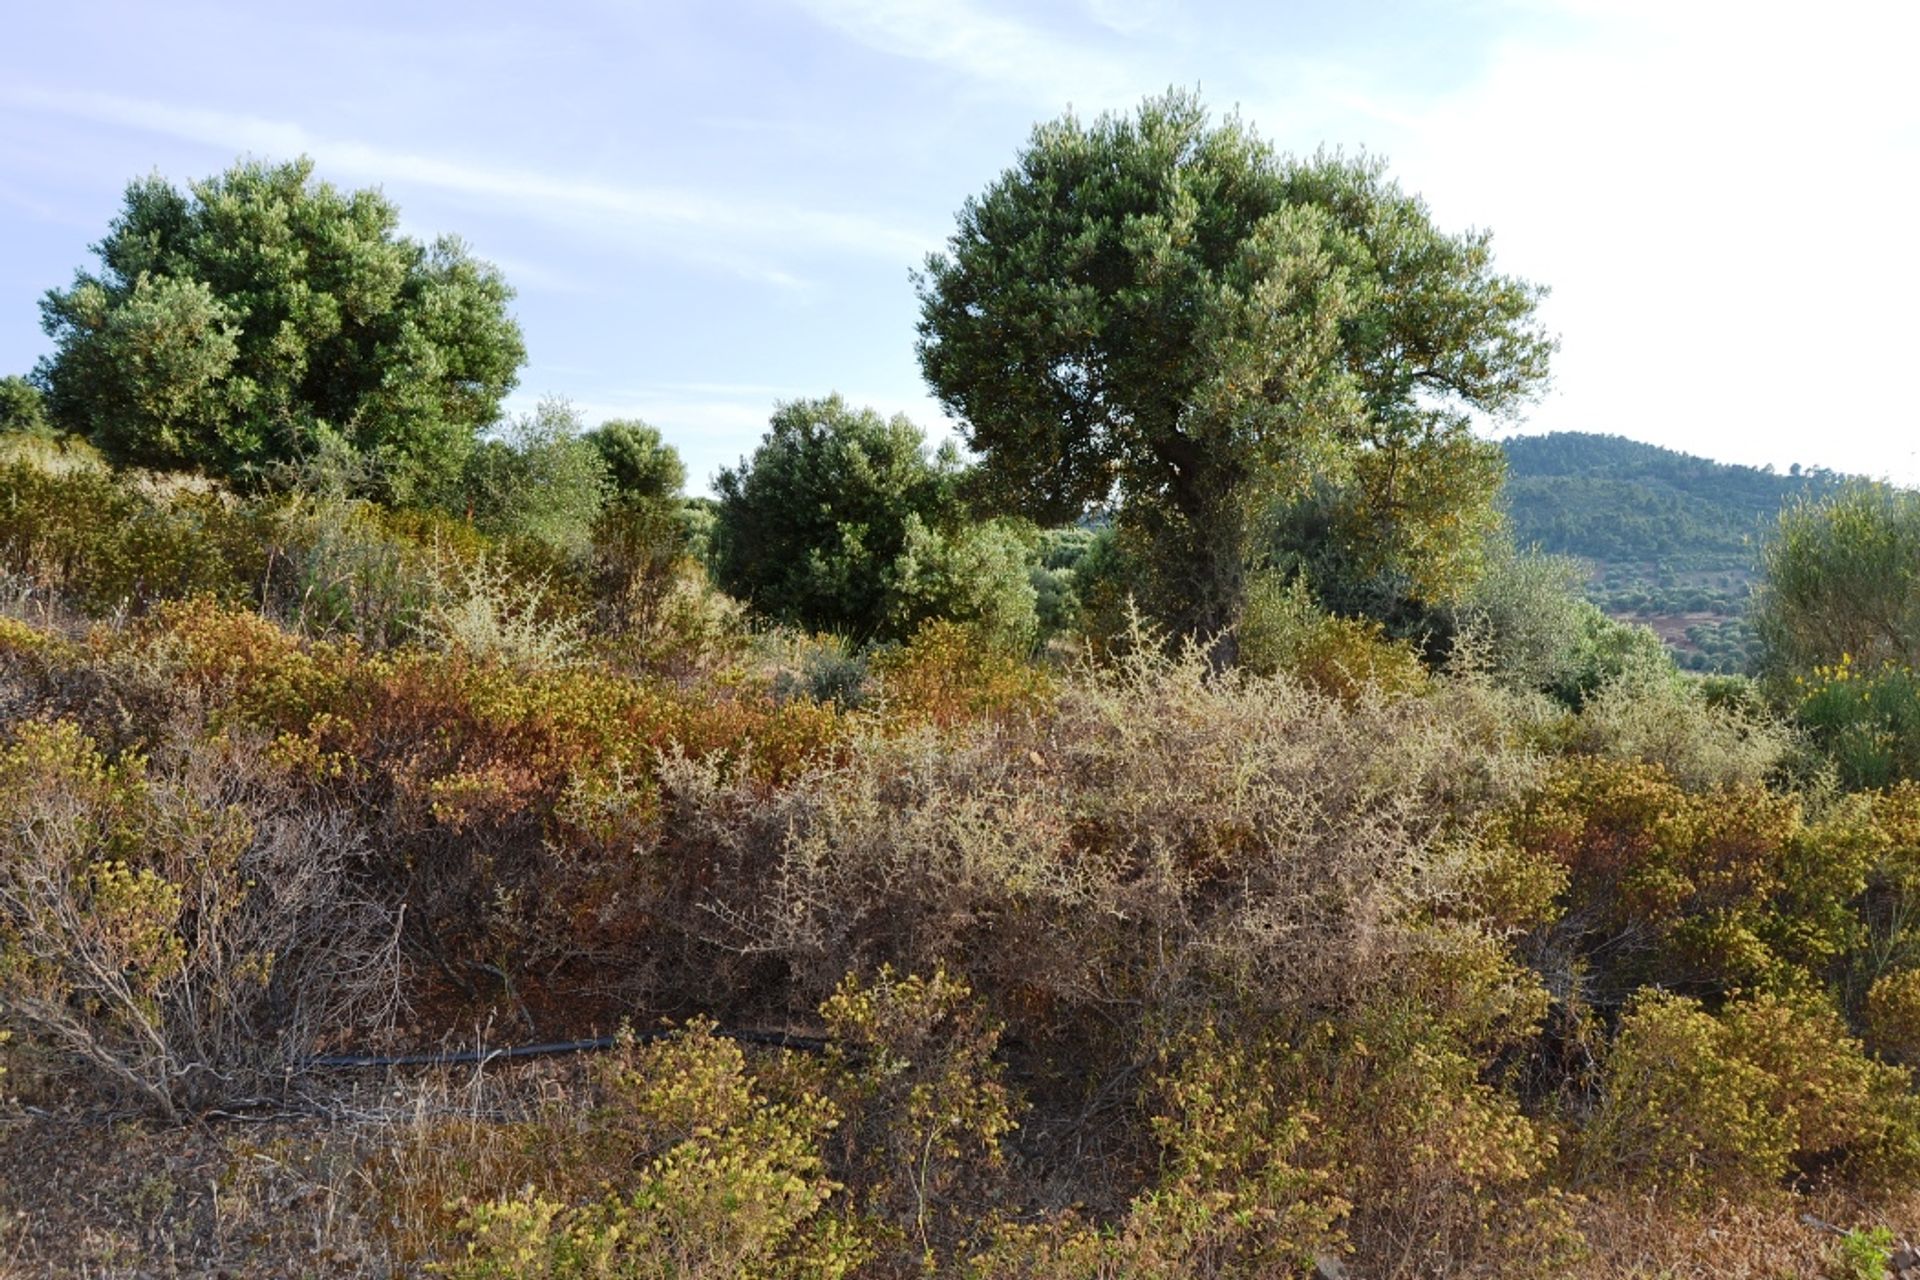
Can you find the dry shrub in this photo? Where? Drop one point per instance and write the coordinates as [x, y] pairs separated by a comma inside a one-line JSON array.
[[1662, 719], [182, 931], [488, 614], [509, 806], [1159, 842], [1646, 1236]]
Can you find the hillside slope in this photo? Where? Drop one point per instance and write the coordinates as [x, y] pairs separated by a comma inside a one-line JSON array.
[[1673, 540]]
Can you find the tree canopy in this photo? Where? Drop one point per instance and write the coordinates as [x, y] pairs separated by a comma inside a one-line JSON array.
[[1161, 312], [261, 314], [842, 522], [641, 465]]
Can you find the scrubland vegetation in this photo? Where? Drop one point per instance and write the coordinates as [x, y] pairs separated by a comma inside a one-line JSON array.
[[1376, 907]]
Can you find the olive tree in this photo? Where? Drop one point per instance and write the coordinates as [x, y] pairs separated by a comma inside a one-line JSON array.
[[260, 316], [1161, 313]]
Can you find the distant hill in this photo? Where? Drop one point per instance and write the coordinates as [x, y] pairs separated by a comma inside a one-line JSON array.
[[1673, 540]]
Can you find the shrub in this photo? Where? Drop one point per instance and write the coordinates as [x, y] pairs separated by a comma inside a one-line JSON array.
[[23, 410], [1867, 721], [1152, 847], [543, 482], [1282, 630], [104, 543], [1699, 741], [181, 935], [730, 1184], [840, 522], [1672, 887], [1893, 1016], [1702, 1106], [490, 616], [912, 1069], [653, 597], [336, 568], [1840, 582], [950, 674]]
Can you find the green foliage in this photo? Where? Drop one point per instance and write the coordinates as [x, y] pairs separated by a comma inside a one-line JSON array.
[[1865, 720], [1605, 650], [1842, 579], [1525, 621], [542, 482], [238, 324], [23, 410], [840, 522], [733, 1184], [640, 465], [1160, 310], [1866, 1255]]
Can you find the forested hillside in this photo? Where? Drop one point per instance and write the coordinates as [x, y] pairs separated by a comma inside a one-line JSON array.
[[1671, 539]]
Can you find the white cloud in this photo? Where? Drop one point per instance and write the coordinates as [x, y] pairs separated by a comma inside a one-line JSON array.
[[731, 232], [989, 47]]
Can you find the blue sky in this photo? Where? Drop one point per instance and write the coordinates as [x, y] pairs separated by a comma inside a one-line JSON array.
[[708, 207]]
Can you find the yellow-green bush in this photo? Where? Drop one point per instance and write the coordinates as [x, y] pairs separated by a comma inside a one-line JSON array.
[[104, 543], [730, 1183], [1893, 1016], [1283, 630], [912, 1069], [1664, 884], [1699, 1105], [949, 674]]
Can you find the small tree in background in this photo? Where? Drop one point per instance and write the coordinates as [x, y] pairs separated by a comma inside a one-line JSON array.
[[23, 410], [543, 481], [236, 325], [641, 466], [842, 522]]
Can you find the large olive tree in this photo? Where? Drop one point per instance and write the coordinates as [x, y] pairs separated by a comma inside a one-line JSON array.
[[261, 315], [1161, 313]]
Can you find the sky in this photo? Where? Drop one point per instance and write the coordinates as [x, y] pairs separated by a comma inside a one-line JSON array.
[[709, 206]]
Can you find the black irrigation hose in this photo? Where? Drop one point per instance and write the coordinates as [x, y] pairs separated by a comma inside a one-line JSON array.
[[350, 1061]]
